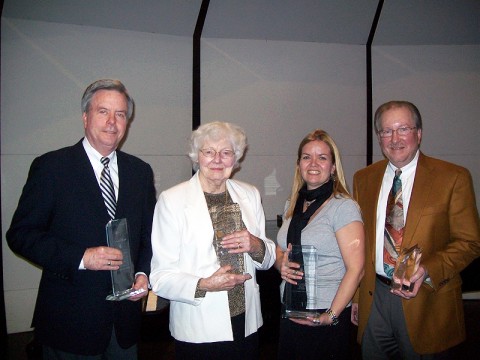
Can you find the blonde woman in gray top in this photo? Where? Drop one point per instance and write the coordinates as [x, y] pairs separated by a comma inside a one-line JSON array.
[[320, 212]]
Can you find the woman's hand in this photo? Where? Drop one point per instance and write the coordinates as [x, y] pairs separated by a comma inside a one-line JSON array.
[[241, 241], [321, 320], [290, 270], [222, 280]]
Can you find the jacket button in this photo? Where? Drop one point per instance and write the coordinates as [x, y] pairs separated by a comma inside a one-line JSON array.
[[370, 293]]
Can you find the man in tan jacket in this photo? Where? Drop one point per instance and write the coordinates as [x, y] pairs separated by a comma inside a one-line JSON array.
[[441, 217]]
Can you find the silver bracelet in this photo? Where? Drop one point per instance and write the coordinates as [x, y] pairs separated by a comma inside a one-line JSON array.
[[333, 316]]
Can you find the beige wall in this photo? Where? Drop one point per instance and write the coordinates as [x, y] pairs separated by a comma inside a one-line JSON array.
[[444, 83], [45, 69], [277, 91]]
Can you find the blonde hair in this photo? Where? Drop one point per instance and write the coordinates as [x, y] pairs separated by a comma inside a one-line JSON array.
[[339, 186]]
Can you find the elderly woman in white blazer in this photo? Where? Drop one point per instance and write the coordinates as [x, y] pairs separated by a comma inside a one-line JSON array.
[[215, 301]]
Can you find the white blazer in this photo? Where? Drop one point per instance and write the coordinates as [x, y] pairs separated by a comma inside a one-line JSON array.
[[183, 253]]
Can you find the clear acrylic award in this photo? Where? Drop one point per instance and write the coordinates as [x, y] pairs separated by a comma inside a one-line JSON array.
[[299, 300], [123, 278], [225, 221], [406, 265], [224, 257]]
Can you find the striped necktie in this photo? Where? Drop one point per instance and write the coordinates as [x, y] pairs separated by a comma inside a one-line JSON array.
[[108, 192], [394, 225]]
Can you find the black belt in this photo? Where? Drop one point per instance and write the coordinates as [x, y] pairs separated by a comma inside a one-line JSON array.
[[384, 280]]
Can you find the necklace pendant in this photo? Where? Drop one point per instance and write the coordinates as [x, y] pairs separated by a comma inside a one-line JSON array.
[[308, 203]]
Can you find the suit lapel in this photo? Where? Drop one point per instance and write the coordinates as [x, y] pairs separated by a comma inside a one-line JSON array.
[[374, 184], [88, 182], [124, 184], [420, 193], [85, 175], [196, 210], [240, 197]]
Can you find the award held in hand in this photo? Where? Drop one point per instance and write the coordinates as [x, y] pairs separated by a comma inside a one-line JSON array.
[[224, 257], [123, 278], [299, 300], [405, 266], [226, 220]]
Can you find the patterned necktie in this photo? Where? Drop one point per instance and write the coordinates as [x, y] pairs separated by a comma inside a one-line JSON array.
[[106, 184], [394, 225]]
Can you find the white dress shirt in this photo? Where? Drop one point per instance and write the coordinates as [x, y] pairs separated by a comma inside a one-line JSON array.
[[407, 177], [94, 156]]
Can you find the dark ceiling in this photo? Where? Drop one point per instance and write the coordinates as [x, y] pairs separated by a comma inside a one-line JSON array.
[[402, 22]]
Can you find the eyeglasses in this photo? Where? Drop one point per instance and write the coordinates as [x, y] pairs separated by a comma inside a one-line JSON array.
[[402, 131], [211, 153]]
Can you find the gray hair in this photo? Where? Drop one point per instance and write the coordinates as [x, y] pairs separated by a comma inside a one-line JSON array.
[[106, 84], [216, 131]]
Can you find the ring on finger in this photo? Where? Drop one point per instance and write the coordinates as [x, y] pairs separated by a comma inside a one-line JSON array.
[[295, 272], [109, 263]]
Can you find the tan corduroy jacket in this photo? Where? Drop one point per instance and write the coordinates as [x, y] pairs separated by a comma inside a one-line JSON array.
[[443, 220]]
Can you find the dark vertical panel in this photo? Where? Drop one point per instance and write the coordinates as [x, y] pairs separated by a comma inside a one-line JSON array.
[[3, 318], [369, 83], [197, 35]]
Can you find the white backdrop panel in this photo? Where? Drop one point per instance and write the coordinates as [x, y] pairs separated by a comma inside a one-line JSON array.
[[278, 92], [444, 83]]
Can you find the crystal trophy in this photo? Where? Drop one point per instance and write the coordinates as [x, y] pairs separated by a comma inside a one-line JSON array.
[[224, 257], [123, 278], [299, 300], [406, 265], [225, 221]]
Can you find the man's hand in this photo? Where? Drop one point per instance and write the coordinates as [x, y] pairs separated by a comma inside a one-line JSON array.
[[417, 279], [102, 258]]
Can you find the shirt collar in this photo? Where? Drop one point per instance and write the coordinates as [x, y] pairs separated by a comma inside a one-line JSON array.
[[411, 166], [93, 153]]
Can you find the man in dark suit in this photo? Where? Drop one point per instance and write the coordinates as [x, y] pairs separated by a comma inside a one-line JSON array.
[[59, 225], [441, 217]]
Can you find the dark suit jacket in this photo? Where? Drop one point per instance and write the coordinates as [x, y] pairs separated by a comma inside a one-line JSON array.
[[443, 220], [60, 214]]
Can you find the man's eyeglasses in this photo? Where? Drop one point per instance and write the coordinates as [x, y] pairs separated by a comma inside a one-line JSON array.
[[402, 131], [224, 154]]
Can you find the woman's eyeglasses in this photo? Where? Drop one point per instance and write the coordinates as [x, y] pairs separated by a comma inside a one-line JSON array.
[[224, 154]]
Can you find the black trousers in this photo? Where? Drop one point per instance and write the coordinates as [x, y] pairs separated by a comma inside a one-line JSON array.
[[241, 348], [323, 342], [113, 352]]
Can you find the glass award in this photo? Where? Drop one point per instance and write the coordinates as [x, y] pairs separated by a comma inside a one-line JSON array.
[[225, 221], [406, 265], [299, 300], [224, 257], [123, 278]]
